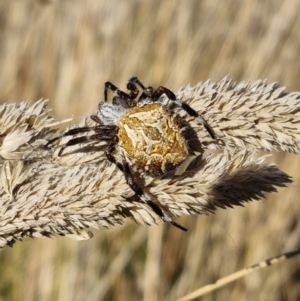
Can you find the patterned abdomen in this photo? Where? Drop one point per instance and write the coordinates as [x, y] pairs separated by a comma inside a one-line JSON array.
[[152, 138]]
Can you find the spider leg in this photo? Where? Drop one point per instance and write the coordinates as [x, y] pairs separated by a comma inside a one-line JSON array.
[[109, 154], [193, 113], [96, 119], [146, 198], [138, 190], [85, 129], [122, 98], [147, 92], [162, 90], [135, 80], [103, 136], [133, 90]]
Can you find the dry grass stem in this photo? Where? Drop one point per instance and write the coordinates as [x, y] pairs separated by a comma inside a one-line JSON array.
[[46, 195], [237, 275]]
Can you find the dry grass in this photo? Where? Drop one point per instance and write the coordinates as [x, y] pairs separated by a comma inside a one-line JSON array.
[[65, 50], [47, 195], [237, 275]]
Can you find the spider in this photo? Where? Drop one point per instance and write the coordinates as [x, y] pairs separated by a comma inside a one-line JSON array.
[[146, 135]]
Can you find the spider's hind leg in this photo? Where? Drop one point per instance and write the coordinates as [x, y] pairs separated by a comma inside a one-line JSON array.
[[145, 197], [138, 190]]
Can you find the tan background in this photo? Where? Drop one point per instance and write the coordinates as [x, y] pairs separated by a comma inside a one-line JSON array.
[[65, 50]]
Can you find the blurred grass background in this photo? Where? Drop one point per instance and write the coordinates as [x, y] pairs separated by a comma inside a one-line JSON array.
[[65, 51]]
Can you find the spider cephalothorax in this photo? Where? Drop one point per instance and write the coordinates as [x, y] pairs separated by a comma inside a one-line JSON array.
[[147, 135]]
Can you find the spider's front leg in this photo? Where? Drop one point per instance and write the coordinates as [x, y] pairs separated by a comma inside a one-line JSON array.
[[137, 189], [123, 99], [147, 92], [134, 80]]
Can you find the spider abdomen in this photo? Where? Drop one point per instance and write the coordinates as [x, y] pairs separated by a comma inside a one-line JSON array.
[[152, 138]]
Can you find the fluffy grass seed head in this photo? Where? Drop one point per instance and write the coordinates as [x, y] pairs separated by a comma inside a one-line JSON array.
[[43, 194]]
